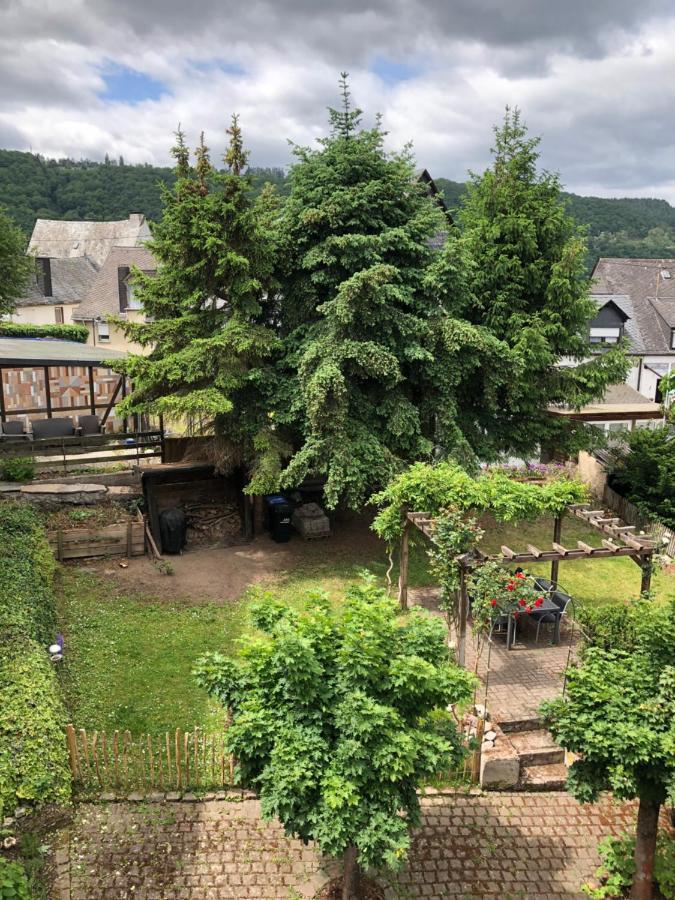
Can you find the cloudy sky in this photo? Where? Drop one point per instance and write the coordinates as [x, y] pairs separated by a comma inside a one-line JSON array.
[[595, 78]]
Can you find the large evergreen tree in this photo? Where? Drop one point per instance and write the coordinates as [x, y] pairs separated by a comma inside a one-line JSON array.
[[356, 323], [209, 303], [15, 266], [530, 292]]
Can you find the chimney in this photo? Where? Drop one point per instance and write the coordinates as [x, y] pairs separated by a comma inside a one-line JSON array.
[[44, 275]]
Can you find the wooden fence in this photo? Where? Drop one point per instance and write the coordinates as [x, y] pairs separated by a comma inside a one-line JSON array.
[[118, 762], [122, 539], [78, 450], [632, 515]]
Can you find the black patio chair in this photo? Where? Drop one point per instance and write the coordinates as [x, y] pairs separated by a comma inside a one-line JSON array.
[[53, 428], [89, 425], [13, 431], [562, 601]]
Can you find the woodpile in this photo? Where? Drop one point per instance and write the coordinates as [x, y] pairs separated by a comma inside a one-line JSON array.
[[212, 522]]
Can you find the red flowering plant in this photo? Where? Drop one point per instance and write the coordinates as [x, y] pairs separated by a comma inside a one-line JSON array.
[[495, 592]]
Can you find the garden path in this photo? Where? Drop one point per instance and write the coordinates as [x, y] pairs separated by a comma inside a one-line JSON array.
[[469, 845]]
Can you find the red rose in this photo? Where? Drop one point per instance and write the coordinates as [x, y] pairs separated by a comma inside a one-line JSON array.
[[520, 574], [529, 609], [539, 601], [493, 602], [515, 615], [521, 603], [510, 586]]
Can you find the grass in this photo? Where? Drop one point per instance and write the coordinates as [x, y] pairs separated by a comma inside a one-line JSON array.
[[128, 660]]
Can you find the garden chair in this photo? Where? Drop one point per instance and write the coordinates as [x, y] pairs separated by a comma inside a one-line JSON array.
[[88, 425], [53, 428], [13, 431], [562, 601]]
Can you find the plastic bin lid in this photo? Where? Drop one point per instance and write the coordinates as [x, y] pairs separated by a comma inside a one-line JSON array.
[[275, 498]]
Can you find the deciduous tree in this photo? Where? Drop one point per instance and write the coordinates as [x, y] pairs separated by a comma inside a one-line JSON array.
[[15, 267], [337, 716]]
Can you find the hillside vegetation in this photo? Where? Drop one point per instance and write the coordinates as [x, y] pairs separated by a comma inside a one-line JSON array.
[[32, 187]]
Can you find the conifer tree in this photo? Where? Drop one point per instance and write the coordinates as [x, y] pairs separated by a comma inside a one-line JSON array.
[[208, 305], [357, 319], [530, 292]]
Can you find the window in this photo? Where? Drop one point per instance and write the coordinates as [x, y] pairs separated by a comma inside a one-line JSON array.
[[58, 315], [672, 338], [605, 335], [132, 301], [103, 331]]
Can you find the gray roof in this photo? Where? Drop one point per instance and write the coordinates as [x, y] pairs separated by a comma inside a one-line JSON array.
[[71, 281], [651, 295], [631, 329], [62, 240], [42, 351], [103, 297]]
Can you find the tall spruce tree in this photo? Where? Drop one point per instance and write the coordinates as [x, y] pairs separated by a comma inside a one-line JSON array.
[[357, 319], [529, 292], [209, 303]]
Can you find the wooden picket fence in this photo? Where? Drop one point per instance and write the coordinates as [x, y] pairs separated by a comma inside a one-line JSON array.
[[118, 762]]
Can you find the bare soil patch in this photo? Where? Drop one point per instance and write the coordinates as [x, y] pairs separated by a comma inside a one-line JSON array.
[[222, 574]]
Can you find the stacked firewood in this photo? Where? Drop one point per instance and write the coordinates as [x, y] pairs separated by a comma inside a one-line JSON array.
[[212, 522]]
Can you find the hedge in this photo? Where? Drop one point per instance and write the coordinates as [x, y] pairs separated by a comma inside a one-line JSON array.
[[33, 758], [26, 574], [77, 333]]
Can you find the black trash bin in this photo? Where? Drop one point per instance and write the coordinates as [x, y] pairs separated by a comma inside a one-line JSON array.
[[172, 529], [279, 512]]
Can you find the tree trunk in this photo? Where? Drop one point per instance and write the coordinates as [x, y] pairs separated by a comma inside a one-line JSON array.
[[645, 847], [351, 887]]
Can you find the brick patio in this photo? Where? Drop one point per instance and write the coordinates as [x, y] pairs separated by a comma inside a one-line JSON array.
[[520, 678], [469, 845]]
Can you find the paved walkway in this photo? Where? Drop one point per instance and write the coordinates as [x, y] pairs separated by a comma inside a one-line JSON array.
[[520, 678], [471, 846]]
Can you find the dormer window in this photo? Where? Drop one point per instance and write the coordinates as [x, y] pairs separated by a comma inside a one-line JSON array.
[[672, 338], [606, 335], [665, 274]]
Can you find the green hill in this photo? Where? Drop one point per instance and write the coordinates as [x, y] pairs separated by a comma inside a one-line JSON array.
[[32, 187]]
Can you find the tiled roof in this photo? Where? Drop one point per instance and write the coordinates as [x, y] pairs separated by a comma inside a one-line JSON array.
[[103, 297], [59, 239], [649, 289], [71, 281], [32, 351]]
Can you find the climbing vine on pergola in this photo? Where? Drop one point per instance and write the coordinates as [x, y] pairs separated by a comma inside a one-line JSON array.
[[443, 502]]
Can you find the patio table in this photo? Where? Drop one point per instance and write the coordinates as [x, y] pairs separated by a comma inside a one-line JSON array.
[[548, 607]]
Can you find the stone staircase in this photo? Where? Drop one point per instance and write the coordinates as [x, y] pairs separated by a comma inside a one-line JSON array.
[[541, 760]]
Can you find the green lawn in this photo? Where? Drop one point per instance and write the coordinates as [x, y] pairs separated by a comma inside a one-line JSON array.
[[128, 660]]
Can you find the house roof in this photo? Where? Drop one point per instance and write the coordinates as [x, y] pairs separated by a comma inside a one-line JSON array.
[[42, 352], [71, 281], [620, 402], [59, 239], [649, 286], [103, 296]]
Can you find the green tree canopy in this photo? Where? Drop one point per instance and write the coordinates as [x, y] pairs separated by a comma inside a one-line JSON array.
[[357, 320], [338, 714], [15, 267], [619, 715], [529, 290], [644, 472], [209, 304]]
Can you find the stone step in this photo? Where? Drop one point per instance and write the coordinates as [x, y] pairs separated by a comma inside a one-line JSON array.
[[543, 778], [536, 748], [509, 726]]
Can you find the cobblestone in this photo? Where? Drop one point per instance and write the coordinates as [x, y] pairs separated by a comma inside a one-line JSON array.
[[470, 846]]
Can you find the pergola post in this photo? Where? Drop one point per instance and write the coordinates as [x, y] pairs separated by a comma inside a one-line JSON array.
[[462, 617], [557, 539], [646, 566], [403, 567]]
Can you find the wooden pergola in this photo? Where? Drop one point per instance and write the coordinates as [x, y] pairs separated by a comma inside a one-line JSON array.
[[618, 540]]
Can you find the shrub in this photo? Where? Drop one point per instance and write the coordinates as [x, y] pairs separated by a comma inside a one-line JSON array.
[[33, 761], [26, 572], [618, 867], [13, 881], [18, 468], [77, 333], [612, 626]]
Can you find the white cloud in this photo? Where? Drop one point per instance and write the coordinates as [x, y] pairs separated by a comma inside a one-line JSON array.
[[595, 79]]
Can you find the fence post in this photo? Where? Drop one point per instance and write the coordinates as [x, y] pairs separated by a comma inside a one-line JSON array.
[[72, 751]]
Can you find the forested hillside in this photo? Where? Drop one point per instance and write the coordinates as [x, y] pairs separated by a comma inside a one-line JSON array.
[[32, 187]]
